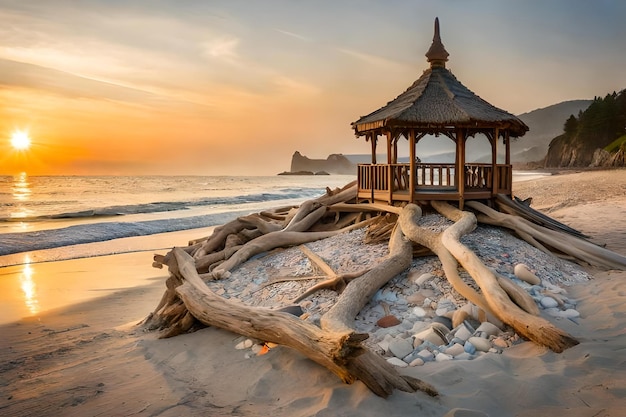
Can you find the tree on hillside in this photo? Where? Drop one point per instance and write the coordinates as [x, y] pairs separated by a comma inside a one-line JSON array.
[[571, 126], [598, 126]]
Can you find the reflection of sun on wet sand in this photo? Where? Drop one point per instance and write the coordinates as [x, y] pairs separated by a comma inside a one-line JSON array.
[[91, 359]]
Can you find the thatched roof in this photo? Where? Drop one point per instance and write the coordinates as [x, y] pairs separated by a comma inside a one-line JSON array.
[[437, 100]]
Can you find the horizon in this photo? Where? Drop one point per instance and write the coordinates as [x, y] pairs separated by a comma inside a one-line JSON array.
[[157, 88]]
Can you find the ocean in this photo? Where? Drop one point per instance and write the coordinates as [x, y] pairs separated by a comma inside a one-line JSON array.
[[55, 215]]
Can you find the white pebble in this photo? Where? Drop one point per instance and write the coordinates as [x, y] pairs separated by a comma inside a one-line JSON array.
[[549, 302], [419, 312], [426, 355], [442, 357], [397, 362], [400, 347], [570, 313], [462, 332], [384, 345], [256, 348], [553, 311], [423, 278], [245, 344], [455, 350], [431, 336], [488, 328], [482, 345], [441, 311]]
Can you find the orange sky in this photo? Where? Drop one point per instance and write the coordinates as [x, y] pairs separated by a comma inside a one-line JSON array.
[[234, 88]]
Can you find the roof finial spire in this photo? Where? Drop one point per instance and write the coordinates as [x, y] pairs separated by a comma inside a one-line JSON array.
[[437, 54]]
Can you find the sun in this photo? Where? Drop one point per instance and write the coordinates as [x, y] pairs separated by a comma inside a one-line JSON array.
[[20, 140]]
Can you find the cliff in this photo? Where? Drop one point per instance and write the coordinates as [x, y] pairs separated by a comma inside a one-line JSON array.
[[594, 138], [334, 164]]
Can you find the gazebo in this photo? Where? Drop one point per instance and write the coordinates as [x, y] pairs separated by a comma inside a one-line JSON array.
[[436, 104]]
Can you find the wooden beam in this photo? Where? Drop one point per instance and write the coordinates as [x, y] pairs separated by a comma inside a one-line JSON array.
[[389, 151]]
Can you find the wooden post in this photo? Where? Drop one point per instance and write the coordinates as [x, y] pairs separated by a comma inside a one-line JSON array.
[[373, 139], [389, 172], [508, 148], [460, 165], [494, 164], [395, 149], [412, 170], [509, 170]]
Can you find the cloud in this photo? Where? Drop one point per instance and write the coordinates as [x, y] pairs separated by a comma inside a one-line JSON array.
[[222, 48], [370, 59], [293, 35], [20, 74], [295, 87]]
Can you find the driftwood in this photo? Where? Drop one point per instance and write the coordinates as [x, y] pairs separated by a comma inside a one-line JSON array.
[[542, 238], [530, 326], [334, 344]]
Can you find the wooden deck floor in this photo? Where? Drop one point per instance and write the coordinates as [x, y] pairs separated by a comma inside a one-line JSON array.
[[423, 195]]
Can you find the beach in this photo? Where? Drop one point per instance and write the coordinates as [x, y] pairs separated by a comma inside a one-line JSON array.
[[92, 359]]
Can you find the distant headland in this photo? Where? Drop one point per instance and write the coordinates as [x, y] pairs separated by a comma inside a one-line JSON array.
[[334, 164]]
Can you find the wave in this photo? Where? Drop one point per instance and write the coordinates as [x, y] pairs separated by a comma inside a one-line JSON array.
[[12, 243], [166, 206]]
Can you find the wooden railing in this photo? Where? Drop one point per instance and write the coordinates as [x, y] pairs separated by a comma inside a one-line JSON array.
[[478, 176], [434, 175], [380, 177]]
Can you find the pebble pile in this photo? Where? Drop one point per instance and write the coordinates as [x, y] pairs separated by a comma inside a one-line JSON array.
[[417, 317]]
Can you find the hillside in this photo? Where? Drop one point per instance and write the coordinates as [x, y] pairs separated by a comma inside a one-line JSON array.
[[594, 137], [545, 124]]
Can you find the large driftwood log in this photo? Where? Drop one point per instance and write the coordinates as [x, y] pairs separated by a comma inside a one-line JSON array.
[[410, 226], [580, 249], [532, 327], [217, 239]]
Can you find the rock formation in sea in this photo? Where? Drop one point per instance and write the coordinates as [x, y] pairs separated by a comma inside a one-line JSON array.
[[333, 164]]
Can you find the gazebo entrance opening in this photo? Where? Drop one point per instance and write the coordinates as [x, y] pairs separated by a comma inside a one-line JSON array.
[[437, 106]]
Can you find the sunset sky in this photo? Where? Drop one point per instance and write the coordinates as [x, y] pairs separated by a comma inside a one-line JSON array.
[[234, 87]]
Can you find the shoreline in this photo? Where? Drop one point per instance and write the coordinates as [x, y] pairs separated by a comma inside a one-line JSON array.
[[30, 286], [90, 358]]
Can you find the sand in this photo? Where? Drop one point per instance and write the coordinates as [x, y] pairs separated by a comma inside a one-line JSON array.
[[90, 359]]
